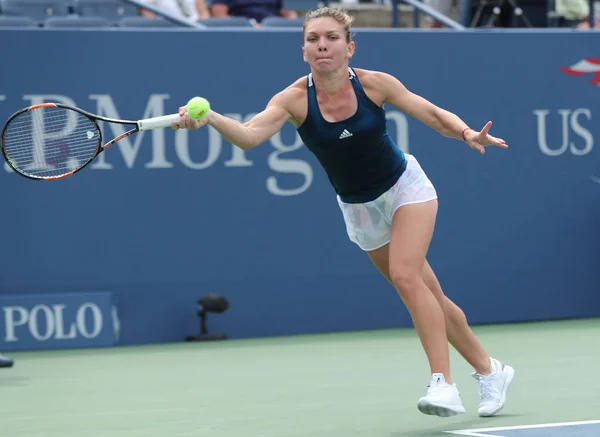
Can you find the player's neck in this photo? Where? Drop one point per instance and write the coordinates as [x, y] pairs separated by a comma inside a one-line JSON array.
[[332, 82]]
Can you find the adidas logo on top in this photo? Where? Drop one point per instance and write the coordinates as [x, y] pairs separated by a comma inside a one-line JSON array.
[[345, 134]]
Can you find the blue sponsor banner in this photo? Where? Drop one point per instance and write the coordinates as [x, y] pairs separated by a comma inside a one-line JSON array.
[[57, 321], [171, 216]]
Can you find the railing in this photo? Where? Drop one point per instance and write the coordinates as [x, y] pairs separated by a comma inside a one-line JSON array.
[[466, 7], [418, 7], [464, 16]]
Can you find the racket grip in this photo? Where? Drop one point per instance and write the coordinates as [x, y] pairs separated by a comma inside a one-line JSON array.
[[157, 122]]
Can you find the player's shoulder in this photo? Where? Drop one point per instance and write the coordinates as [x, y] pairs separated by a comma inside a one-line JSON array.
[[298, 88], [372, 78], [295, 92]]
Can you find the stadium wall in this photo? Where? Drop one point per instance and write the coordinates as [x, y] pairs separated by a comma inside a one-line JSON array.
[[120, 253]]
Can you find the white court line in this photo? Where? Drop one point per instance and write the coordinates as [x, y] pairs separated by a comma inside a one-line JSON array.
[[477, 432], [472, 434]]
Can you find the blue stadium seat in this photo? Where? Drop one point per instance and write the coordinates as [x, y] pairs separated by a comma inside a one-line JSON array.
[[17, 22], [226, 22], [75, 22], [283, 22], [110, 9], [145, 22], [300, 5], [36, 9]]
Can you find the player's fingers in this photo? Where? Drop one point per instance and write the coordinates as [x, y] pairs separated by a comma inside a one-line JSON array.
[[480, 148], [190, 123], [178, 124], [486, 128], [493, 141]]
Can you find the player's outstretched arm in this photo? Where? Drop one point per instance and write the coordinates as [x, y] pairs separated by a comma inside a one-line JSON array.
[[443, 121], [244, 135]]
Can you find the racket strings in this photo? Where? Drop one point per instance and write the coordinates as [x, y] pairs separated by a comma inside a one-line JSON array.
[[50, 142]]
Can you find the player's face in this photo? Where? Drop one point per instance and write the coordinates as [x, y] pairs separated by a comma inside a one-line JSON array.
[[325, 47]]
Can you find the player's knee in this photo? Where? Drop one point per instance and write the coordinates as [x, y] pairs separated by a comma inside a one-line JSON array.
[[406, 280]]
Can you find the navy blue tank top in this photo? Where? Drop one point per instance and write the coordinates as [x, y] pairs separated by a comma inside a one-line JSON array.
[[361, 160]]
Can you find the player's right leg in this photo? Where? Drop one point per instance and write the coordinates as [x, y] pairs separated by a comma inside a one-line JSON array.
[[442, 398], [395, 230]]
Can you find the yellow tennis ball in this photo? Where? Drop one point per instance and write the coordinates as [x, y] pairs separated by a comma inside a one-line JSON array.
[[198, 108]]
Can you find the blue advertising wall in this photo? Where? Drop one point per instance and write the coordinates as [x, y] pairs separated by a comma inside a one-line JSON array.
[[167, 217]]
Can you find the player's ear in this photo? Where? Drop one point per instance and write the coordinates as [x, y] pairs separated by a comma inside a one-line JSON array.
[[351, 49], [304, 54]]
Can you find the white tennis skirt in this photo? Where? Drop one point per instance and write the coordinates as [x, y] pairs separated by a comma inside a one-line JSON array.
[[369, 224]]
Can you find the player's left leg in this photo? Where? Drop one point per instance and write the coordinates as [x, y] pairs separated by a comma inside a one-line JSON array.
[[494, 377]]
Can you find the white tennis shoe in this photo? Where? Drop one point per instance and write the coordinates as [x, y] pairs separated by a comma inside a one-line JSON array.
[[442, 399], [493, 388]]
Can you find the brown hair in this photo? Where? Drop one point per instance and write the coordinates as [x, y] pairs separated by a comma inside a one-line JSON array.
[[339, 15]]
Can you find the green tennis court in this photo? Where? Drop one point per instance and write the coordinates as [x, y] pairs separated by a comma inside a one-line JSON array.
[[338, 385]]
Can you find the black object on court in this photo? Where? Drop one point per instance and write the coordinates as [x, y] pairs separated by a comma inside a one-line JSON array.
[[211, 303]]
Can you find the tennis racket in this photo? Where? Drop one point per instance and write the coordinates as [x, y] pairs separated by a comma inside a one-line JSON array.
[[52, 141]]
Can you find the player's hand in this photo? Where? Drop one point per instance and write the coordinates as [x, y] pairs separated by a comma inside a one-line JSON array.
[[186, 122], [480, 140]]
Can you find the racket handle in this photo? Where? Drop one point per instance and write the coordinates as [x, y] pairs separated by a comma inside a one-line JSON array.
[[157, 122]]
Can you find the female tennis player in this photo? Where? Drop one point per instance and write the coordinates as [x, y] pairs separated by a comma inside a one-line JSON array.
[[387, 201]]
